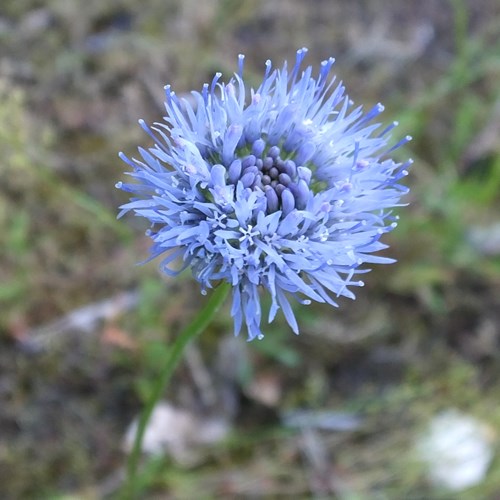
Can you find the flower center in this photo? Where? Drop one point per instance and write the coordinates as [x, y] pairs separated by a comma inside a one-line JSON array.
[[285, 185]]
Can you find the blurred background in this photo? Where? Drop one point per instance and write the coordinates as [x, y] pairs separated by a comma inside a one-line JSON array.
[[394, 395]]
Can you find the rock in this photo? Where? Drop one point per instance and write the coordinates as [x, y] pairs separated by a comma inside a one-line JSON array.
[[456, 450], [178, 433], [485, 240]]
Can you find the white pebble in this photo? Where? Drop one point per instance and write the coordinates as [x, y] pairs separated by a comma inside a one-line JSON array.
[[456, 449]]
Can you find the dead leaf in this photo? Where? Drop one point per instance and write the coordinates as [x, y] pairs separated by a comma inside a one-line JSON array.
[[117, 337]]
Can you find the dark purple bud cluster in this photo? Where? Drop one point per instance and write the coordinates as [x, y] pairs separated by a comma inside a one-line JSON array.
[[285, 185]]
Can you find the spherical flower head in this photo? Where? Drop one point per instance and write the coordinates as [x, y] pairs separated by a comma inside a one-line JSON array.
[[286, 189]]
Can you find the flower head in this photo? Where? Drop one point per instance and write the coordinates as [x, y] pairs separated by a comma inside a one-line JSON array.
[[285, 188]]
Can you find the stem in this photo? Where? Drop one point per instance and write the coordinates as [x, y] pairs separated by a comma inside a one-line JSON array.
[[200, 323]]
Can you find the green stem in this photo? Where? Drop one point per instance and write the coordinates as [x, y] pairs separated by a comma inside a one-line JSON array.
[[200, 323]]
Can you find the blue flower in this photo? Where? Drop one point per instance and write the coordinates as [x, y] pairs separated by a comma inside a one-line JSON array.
[[285, 188]]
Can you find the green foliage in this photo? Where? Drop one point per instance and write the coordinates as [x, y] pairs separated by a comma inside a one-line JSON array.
[[14, 220], [45, 222]]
